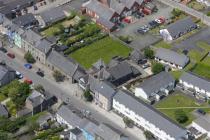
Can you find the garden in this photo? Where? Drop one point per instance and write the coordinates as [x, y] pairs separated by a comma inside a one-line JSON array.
[[104, 49], [178, 104]]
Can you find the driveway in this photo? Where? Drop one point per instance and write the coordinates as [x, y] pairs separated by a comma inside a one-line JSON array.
[[142, 41]]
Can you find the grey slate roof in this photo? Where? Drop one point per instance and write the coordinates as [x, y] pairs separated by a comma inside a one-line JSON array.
[[25, 20], [180, 26], [3, 72], [52, 15], [136, 55], [100, 9], [196, 81], [117, 6], [155, 82], [36, 98], [150, 114], [204, 122], [68, 66], [172, 56], [3, 111], [70, 117], [102, 87], [37, 41], [108, 24]]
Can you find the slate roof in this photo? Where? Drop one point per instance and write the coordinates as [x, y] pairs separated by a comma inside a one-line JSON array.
[[36, 98], [172, 56], [24, 20], [120, 70], [70, 117], [3, 111], [196, 81], [3, 71], [101, 87], [100, 9], [204, 122], [68, 66], [117, 6], [37, 41], [180, 26], [52, 15], [136, 55], [128, 3], [155, 82], [108, 24], [150, 114]]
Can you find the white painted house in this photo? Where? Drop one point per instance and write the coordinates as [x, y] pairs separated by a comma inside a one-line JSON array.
[[155, 87], [171, 58], [199, 86], [146, 117]]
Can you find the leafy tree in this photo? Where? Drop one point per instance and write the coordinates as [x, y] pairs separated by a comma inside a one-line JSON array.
[[88, 96], [181, 116], [149, 135], [176, 12], [128, 122], [157, 68], [39, 88], [149, 53], [29, 58], [58, 76]]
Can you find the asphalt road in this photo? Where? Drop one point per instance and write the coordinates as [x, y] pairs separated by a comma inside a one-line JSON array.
[[63, 94]]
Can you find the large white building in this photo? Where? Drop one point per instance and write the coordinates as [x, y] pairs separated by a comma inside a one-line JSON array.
[[197, 85], [155, 87], [147, 118]]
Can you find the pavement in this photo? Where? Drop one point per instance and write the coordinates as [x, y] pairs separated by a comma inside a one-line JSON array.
[[69, 93]]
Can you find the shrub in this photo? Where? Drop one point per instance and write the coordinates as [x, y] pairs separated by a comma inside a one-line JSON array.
[[157, 68], [149, 53], [149, 135], [208, 14], [88, 96], [181, 116], [29, 58], [58, 76]]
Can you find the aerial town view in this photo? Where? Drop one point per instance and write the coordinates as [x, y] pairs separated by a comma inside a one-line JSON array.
[[104, 69]]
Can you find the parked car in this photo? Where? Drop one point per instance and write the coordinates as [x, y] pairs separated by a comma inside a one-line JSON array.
[[145, 66], [28, 81], [28, 66], [143, 29], [18, 75], [40, 73], [153, 24], [201, 111], [11, 55], [3, 49]]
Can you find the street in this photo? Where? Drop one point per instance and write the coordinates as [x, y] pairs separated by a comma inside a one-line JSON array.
[[66, 92]]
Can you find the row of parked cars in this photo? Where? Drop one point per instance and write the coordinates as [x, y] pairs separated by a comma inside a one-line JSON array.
[[152, 24]]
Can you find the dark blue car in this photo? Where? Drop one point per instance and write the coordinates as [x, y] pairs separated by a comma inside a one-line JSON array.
[[28, 66]]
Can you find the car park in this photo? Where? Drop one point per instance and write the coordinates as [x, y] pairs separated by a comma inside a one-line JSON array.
[[28, 66], [143, 29], [2, 49], [11, 55], [153, 24]]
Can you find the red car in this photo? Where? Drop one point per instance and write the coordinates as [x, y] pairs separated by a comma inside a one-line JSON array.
[[11, 55], [28, 81]]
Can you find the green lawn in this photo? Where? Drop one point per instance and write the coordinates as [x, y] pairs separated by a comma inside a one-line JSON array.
[[178, 100], [163, 44], [51, 31], [105, 49], [202, 69]]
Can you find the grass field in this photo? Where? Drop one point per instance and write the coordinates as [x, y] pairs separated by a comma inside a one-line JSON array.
[[178, 100], [105, 49], [163, 44]]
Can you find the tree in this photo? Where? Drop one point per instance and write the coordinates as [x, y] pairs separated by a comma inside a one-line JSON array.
[[128, 122], [149, 53], [29, 58], [39, 88], [157, 68], [149, 135], [181, 116], [58, 76], [88, 96]]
